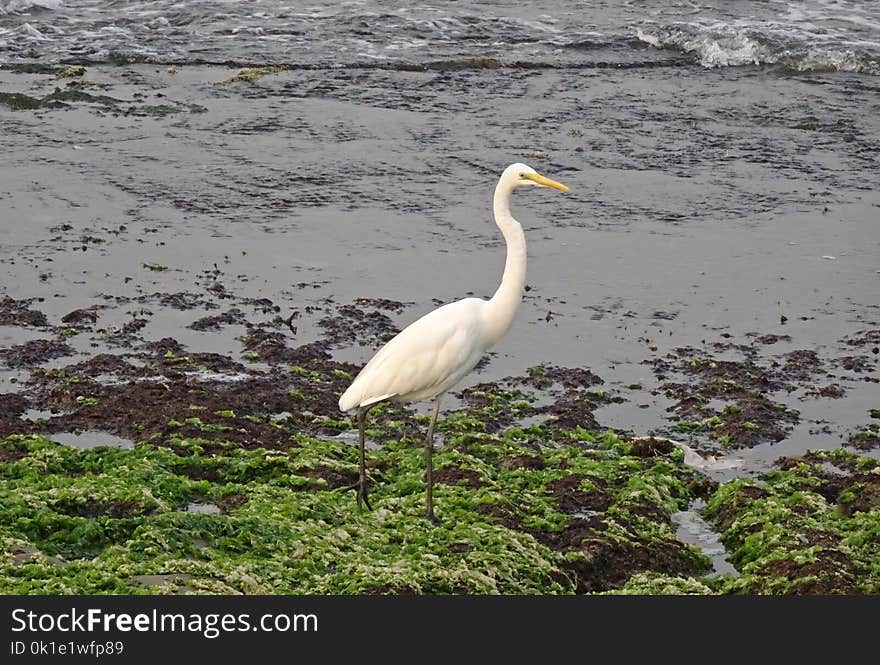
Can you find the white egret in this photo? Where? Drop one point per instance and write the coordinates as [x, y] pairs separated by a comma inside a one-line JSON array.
[[434, 353]]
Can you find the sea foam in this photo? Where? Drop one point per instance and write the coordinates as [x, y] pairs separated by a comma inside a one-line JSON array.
[[722, 45]]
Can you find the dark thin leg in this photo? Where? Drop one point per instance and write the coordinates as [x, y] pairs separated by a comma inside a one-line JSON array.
[[362, 478], [429, 450]]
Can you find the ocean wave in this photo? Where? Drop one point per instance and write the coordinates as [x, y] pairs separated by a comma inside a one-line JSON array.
[[723, 45], [18, 6], [817, 36]]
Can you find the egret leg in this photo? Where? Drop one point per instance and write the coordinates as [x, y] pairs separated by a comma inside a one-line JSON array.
[[362, 478], [429, 453]]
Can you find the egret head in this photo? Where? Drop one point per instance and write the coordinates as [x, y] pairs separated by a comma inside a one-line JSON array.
[[518, 175]]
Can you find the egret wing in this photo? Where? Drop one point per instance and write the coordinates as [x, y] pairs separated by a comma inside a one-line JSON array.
[[441, 346]]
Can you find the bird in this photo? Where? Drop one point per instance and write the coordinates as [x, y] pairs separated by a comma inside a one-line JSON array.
[[435, 352]]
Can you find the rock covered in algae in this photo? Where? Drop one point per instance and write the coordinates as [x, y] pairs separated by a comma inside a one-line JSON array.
[[585, 514], [810, 527]]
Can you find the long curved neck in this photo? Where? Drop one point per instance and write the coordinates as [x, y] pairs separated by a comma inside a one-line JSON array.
[[502, 307]]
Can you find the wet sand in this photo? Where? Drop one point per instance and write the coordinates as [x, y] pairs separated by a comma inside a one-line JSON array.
[[704, 222]]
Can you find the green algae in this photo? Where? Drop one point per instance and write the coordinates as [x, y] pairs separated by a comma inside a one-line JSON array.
[[804, 528], [17, 101], [656, 584], [543, 508], [749, 416], [30, 68], [75, 93], [71, 72], [58, 98], [103, 520], [866, 437], [252, 74]]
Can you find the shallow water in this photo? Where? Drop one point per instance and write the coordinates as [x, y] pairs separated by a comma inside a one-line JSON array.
[[692, 529], [37, 414], [91, 439], [707, 193], [203, 508]]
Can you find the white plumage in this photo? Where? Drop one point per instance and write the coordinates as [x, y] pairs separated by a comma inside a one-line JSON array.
[[425, 359], [434, 353]]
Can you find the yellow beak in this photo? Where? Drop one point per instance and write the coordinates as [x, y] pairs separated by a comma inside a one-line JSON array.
[[546, 182]]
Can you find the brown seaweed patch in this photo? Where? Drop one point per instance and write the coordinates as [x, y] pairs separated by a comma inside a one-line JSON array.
[[831, 391], [230, 502], [522, 462], [232, 316], [271, 346], [798, 365], [864, 338], [35, 352], [866, 438], [334, 478], [572, 499], [455, 476], [352, 324], [95, 508], [649, 446], [17, 313], [608, 564], [383, 303], [80, 317], [12, 452], [829, 573], [730, 511]]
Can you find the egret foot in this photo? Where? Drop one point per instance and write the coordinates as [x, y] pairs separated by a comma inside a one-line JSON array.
[[361, 486], [360, 489]]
